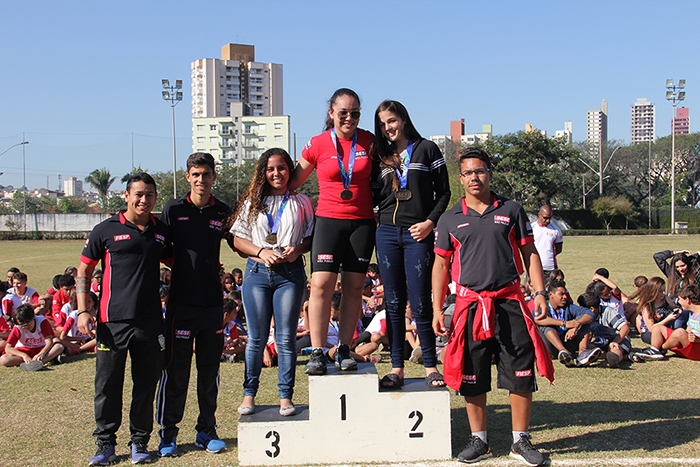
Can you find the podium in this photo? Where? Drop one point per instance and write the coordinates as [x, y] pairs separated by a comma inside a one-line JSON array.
[[350, 419]]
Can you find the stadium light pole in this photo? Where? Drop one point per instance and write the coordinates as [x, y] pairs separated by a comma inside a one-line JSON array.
[[173, 95], [674, 95]]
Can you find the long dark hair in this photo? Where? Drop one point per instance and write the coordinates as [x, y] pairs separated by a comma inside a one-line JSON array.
[[259, 188], [674, 278], [386, 152], [337, 94]]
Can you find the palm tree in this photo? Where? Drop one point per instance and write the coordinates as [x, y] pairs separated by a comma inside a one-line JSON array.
[[101, 180]]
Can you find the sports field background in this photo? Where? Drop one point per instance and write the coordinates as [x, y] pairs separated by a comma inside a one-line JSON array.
[[644, 414]]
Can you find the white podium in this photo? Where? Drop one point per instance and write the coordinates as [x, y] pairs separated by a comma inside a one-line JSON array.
[[350, 419]]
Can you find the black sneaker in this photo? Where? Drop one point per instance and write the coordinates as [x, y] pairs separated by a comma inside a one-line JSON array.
[[343, 360], [565, 358], [475, 451], [317, 363], [104, 455], [650, 354], [524, 451]]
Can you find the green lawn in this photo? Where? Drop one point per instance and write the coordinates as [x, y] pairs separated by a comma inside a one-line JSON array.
[[644, 414]]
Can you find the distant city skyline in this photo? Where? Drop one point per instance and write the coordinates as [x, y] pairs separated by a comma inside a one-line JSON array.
[[82, 81]]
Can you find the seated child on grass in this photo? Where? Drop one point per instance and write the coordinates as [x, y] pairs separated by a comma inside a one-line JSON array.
[[609, 331], [234, 343], [72, 339], [30, 340], [684, 342]]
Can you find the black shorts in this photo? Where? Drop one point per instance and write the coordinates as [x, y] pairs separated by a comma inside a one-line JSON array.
[[512, 349], [337, 242]]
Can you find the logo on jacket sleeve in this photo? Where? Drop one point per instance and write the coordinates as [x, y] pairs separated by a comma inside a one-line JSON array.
[[182, 334], [160, 238]]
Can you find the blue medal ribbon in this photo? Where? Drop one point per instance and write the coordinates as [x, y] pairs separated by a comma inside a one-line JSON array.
[[275, 224], [346, 177], [403, 173]]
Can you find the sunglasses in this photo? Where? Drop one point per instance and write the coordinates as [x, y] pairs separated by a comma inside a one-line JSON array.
[[355, 114], [547, 218]]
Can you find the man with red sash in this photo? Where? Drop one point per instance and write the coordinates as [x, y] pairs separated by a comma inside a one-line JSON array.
[[484, 240]]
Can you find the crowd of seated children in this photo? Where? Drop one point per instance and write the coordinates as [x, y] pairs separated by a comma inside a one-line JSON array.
[[31, 342]]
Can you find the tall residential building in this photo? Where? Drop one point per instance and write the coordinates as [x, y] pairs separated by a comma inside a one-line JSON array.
[[240, 138], [642, 121], [481, 137], [236, 77], [73, 187], [681, 124], [597, 125]]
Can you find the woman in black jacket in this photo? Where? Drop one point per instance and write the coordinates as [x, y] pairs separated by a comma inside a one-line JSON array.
[[414, 192]]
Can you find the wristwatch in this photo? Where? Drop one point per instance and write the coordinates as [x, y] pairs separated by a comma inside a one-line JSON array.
[[541, 292]]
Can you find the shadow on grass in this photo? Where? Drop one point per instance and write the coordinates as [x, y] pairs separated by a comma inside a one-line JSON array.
[[648, 425]]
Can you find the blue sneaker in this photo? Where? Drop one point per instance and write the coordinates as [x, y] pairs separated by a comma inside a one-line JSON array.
[[104, 455], [209, 441], [168, 447], [139, 453]]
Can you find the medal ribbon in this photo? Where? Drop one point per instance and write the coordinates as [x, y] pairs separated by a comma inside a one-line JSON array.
[[275, 224], [403, 173], [346, 177]]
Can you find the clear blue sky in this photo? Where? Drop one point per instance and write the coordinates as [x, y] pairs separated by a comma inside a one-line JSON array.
[[79, 77]]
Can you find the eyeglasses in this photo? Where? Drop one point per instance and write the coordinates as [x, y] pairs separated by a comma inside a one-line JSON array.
[[23, 325], [547, 218], [478, 172], [355, 114]]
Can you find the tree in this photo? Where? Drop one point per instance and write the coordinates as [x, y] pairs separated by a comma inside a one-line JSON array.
[[101, 180], [607, 208], [72, 204], [531, 168], [114, 202]]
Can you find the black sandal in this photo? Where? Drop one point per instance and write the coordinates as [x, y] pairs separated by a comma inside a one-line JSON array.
[[435, 380], [391, 381]]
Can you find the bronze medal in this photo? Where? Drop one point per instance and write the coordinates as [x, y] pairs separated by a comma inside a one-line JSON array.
[[403, 195], [346, 195], [271, 239]]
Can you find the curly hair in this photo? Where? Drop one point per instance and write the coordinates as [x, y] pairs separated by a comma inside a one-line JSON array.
[[259, 188]]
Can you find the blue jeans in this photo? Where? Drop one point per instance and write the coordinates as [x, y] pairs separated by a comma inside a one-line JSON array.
[[406, 269], [276, 291]]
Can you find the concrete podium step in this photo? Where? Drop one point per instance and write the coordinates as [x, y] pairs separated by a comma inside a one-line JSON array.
[[350, 419]]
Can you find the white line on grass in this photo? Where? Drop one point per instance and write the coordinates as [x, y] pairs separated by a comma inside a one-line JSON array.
[[623, 461]]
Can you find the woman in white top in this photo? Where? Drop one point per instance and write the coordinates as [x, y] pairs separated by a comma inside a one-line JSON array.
[[273, 228]]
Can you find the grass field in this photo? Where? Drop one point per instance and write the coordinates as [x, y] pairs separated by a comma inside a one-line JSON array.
[[644, 414]]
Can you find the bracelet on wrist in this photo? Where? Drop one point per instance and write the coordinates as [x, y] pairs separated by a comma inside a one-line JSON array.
[[82, 311], [541, 292], [259, 251]]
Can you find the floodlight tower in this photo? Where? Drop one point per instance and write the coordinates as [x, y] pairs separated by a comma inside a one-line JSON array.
[[674, 95], [173, 95]]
